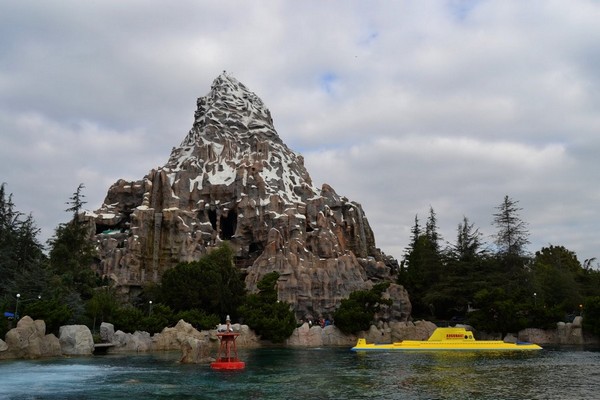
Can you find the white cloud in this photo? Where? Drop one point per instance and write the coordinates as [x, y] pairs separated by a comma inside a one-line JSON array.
[[398, 105]]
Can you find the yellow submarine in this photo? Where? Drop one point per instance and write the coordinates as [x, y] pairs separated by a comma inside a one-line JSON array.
[[453, 338]]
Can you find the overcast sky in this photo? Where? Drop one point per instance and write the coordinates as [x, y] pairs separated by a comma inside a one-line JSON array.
[[398, 105]]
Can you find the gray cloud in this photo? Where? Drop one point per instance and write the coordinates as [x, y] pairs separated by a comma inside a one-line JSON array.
[[399, 106]]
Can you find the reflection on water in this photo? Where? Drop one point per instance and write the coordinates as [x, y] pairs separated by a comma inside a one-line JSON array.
[[273, 373]]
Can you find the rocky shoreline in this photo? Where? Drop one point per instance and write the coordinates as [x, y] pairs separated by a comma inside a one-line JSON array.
[[30, 341]]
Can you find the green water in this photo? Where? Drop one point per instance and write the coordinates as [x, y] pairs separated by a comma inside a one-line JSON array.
[[274, 373]]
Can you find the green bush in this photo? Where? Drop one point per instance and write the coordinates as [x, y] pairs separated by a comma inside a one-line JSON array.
[[545, 317], [161, 317], [198, 318], [271, 319], [357, 312], [591, 315], [54, 313], [128, 319], [212, 284], [351, 317]]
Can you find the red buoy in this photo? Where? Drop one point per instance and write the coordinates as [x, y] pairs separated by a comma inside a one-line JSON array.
[[227, 358]]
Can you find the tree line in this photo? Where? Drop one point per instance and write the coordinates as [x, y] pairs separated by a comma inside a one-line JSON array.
[[498, 288]]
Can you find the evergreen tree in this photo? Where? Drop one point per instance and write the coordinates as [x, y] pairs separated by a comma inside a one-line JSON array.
[[22, 261], [555, 272], [431, 230], [212, 284], [591, 320], [9, 234], [404, 275], [464, 273], [356, 313], [512, 259], [512, 235], [468, 245], [21, 255], [270, 318], [589, 278], [72, 252], [422, 264], [415, 232], [102, 306]]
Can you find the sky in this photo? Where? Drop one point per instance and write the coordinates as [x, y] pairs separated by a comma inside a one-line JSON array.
[[401, 106]]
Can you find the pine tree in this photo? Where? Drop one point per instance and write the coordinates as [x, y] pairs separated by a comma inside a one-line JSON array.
[[72, 252], [468, 242], [512, 235], [415, 234], [20, 251], [422, 263], [431, 230], [512, 259]]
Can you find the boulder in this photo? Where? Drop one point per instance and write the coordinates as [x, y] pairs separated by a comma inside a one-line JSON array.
[[196, 351], [29, 340], [306, 336], [76, 340], [173, 338], [107, 332], [418, 330], [396, 331], [315, 336], [248, 338], [538, 336], [570, 332], [510, 338], [378, 334], [400, 309], [131, 342], [332, 336], [180, 337]]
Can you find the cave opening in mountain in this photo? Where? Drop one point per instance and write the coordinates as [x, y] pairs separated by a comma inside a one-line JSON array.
[[228, 225], [212, 217], [255, 248], [122, 226]]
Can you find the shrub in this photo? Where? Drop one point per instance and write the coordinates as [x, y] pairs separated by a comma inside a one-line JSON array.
[[198, 318], [357, 312], [591, 315], [271, 319]]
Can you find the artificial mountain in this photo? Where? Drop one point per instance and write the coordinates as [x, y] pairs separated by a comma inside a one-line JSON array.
[[233, 179]]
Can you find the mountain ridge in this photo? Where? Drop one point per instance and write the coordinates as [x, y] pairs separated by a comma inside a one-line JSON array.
[[233, 179]]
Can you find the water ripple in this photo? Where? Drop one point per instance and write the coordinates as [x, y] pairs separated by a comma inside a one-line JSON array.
[[339, 374]]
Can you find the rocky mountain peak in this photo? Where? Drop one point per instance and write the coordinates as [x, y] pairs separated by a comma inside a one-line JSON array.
[[233, 129], [233, 179], [230, 109]]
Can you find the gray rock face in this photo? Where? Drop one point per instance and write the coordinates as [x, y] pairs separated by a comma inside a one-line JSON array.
[[131, 342], [76, 340], [29, 340], [107, 332], [174, 338], [569, 333], [196, 346], [315, 336], [233, 179], [195, 351]]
